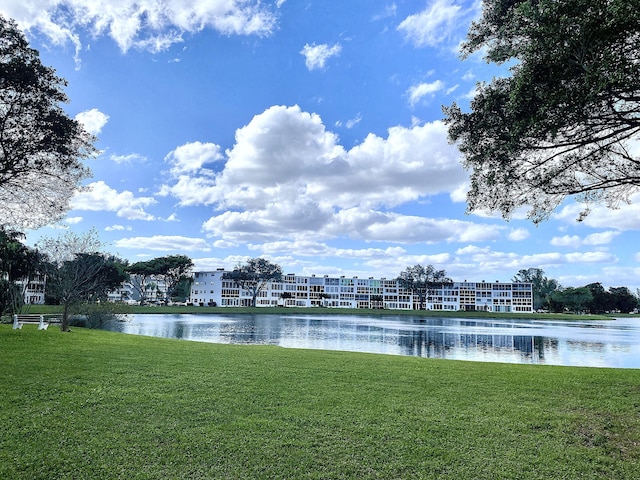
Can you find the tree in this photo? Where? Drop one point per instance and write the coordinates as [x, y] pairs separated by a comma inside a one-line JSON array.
[[566, 120], [542, 286], [284, 296], [140, 277], [18, 263], [65, 247], [41, 147], [422, 281], [10, 299], [170, 270], [324, 296], [78, 272], [601, 300], [573, 299], [623, 300], [182, 290], [88, 277], [377, 301], [254, 275]]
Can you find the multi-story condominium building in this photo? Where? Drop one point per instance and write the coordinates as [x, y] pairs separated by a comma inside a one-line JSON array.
[[130, 291], [124, 293], [33, 289], [211, 288]]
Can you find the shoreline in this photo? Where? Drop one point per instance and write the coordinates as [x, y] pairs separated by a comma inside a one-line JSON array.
[[176, 310]]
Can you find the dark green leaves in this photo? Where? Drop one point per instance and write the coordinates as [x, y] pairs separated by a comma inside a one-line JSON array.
[[565, 121]]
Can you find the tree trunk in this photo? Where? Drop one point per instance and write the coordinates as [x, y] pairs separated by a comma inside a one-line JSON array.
[[64, 326]]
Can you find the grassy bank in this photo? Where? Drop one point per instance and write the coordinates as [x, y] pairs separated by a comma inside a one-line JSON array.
[[95, 404], [133, 309]]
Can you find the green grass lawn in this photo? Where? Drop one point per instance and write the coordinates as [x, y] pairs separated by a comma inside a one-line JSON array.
[[94, 404], [326, 311]]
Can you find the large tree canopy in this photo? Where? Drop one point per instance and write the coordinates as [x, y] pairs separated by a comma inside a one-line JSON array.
[[567, 120], [88, 277], [78, 272], [254, 275], [542, 286], [41, 147], [422, 281], [171, 270]]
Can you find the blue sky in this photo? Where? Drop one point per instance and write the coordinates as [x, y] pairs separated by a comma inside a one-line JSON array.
[[308, 132]]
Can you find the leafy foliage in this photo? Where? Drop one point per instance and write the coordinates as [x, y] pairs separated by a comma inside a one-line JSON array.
[[623, 300], [87, 278], [542, 286], [40, 145], [599, 300], [66, 246], [182, 290], [172, 270], [422, 281], [565, 123], [11, 299], [17, 262], [254, 275], [573, 299], [77, 272]]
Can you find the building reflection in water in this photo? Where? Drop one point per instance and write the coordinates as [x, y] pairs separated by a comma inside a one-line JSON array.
[[613, 343]]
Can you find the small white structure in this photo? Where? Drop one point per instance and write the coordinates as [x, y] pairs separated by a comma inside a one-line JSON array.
[[42, 321]]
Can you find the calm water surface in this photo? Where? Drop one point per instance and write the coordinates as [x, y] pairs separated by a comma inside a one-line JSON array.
[[614, 343]]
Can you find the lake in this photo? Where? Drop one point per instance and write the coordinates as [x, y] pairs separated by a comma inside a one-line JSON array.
[[612, 343]]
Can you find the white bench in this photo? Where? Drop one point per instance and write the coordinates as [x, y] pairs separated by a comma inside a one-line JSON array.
[[35, 319]]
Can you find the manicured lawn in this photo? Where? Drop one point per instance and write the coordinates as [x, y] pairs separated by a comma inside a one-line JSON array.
[[328, 311], [94, 404]]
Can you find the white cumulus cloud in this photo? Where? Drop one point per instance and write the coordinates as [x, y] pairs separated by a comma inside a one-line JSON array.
[[317, 55], [93, 120], [147, 24], [287, 174], [624, 218], [433, 25], [191, 157], [574, 241], [518, 234], [116, 228], [418, 92], [98, 196], [591, 257]]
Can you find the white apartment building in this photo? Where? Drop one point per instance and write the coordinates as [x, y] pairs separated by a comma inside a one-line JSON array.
[[33, 289], [210, 288], [155, 291]]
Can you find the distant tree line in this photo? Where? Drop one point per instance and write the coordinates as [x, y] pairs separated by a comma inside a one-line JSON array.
[[549, 295]]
